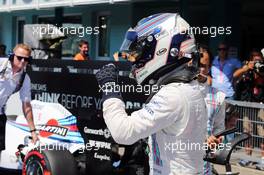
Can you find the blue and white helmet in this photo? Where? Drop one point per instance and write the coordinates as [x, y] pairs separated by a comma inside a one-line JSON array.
[[156, 42]]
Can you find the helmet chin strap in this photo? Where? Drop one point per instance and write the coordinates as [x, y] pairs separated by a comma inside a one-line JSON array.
[[170, 70], [179, 71], [181, 74], [184, 74]]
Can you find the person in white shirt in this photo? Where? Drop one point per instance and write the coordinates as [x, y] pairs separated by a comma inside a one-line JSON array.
[[12, 79], [175, 118]]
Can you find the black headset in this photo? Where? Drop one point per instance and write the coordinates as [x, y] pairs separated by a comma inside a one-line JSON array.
[[12, 55]]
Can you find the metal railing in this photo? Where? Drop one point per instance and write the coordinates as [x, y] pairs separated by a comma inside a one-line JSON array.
[[250, 120]]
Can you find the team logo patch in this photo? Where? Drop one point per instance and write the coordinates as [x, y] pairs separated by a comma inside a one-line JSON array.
[[52, 127]]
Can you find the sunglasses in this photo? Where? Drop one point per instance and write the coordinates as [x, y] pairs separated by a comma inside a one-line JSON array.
[[27, 59], [224, 49]]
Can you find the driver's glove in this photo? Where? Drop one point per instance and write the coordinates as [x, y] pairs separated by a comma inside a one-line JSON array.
[[107, 78]]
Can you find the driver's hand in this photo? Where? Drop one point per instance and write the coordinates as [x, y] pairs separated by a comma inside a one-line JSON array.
[[212, 141], [107, 78], [116, 57]]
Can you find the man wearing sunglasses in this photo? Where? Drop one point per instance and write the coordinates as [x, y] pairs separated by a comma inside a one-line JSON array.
[[222, 71], [13, 79]]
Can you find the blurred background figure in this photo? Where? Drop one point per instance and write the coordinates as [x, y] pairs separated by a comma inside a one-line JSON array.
[[250, 84], [84, 49], [45, 44], [206, 62], [214, 104], [2, 50], [260, 130], [232, 115], [223, 68], [254, 126], [250, 87]]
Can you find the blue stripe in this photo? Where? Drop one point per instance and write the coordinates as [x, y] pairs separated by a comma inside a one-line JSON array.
[[69, 118], [67, 123], [24, 128], [76, 134]]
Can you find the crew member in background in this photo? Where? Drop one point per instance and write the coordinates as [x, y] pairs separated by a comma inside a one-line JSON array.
[[222, 71], [215, 104], [2, 50], [13, 78], [84, 49], [250, 87]]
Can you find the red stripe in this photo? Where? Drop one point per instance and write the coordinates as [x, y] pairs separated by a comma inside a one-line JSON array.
[[73, 128], [153, 23], [221, 72], [186, 42]]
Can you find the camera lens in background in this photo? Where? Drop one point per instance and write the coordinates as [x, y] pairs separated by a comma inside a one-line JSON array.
[[259, 67]]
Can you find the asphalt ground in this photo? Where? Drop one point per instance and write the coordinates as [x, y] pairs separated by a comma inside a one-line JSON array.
[[220, 169], [249, 170], [242, 170]]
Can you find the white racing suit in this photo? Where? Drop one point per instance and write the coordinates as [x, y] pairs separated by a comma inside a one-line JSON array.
[[175, 118]]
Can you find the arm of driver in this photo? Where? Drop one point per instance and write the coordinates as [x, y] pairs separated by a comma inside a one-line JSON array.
[[164, 109]]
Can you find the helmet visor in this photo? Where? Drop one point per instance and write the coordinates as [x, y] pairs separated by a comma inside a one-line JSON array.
[[131, 46], [130, 38]]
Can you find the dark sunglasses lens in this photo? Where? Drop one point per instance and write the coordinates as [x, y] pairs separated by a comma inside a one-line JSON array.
[[223, 49], [25, 58]]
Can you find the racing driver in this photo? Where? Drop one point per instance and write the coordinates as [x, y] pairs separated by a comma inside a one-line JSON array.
[[175, 116]]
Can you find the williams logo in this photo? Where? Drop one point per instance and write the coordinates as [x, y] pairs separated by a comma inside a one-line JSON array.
[[52, 128], [161, 51]]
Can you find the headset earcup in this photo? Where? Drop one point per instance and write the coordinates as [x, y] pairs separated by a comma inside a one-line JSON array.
[[11, 57], [30, 60]]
